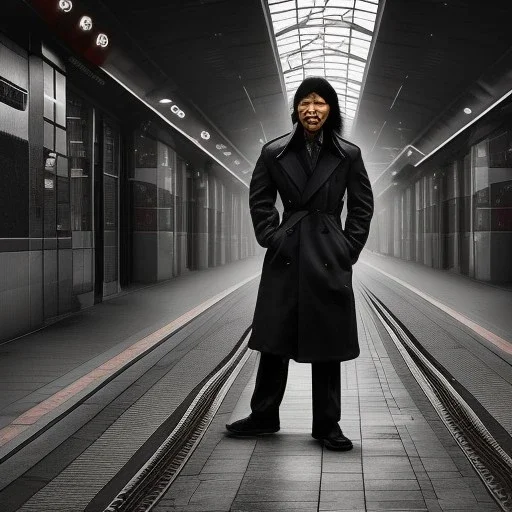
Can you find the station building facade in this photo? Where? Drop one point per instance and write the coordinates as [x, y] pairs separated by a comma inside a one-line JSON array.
[[454, 211], [99, 194]]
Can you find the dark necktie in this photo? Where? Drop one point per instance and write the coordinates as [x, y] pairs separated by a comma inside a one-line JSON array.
[[313, 150]]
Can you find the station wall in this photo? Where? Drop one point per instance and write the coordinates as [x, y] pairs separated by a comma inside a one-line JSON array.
[[92, 204], [454, 214]]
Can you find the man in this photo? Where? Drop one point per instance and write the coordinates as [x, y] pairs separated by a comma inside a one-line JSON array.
[[305, 308]]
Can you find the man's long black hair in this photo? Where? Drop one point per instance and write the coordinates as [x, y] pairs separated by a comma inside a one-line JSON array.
[[324, 89]]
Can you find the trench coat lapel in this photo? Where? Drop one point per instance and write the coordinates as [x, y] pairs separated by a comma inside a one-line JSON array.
[[293, 167], [327, 162], [308, 185]]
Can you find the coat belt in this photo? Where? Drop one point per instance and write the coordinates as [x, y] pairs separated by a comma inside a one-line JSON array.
[[297, 215]]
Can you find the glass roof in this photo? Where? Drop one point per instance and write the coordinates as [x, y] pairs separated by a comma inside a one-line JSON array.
[[329, 38]]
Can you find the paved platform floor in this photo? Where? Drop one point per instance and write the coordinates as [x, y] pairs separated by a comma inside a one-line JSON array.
[[38, 366], [403, 457]]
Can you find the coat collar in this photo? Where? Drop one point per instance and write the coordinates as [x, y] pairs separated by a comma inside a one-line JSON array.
[[297, 131], [327, 162]]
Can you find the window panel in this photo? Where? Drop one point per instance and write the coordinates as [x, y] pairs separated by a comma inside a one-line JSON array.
[[49, 138], [60, 141], [49, 92], [305, 3], [60, 97]]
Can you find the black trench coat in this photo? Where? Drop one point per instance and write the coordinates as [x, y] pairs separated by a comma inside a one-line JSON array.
[[305, 305]]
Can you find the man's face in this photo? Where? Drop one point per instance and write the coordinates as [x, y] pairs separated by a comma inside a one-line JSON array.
[[313, 112]]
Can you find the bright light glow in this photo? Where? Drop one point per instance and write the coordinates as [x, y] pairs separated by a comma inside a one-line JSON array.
[[165, 100], [467, 110], [65, 5], [85, 23], [329, 38], [205, 135], [220, 146], [394, 173], [177, 110], [227, 153], [102, 40], [237, 162]]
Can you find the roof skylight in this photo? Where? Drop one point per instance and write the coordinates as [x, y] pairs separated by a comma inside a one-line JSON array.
[[329, 38]]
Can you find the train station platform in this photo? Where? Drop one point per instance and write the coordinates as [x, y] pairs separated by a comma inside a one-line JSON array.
[[123, 406]]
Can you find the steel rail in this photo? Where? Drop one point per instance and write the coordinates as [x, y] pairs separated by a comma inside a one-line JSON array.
[[492, 464], [150, 483]]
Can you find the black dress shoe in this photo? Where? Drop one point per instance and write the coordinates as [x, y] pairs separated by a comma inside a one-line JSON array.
[[249, 427], [335, 441]]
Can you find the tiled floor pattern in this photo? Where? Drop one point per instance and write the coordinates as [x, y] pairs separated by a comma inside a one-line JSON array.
[[398, 461]]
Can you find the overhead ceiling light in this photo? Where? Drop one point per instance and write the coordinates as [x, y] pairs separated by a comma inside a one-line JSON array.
[[237, 162], [65, 5], [85, 23], [227, 153], [394, 173], [102, 40], [165, 100], [205, 135], [177, 110], [467, 110], [220, 146]]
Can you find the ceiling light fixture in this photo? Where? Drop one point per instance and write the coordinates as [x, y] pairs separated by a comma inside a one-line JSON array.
[[85, 23], [467, 110], [165, 100], [205, 135], [65, 5], [177, 110], [102, 40]]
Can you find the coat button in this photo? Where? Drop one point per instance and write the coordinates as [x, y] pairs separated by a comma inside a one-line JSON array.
[[289, 231]]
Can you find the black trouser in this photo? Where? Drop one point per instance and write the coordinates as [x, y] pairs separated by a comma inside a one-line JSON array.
[[271, 383]]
